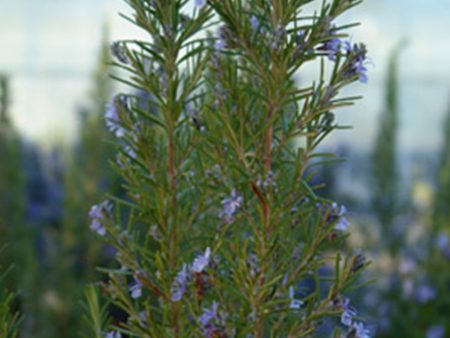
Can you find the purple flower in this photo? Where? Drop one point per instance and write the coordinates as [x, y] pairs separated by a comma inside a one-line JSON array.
[[230, 206], [425, 293], [300, 41], [200, 3], [408, 288], [407, 266], [136, 288], [254, 22], [332, 47], [113, 334], [358, 330], [212, 322], [112, 118], [201, 262], [348, 312], [119, 51], [357, 56], [179, 287], [334, 213], [97, 216], [295, 303], [442, 241], [209, 315], [223, 36], [443, 244], [130, 152], [278, 37], [437, 331]]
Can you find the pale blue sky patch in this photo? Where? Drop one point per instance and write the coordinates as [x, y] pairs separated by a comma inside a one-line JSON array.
[[49, 47]]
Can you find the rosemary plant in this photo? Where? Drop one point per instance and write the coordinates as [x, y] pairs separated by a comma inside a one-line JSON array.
[[221, 230]]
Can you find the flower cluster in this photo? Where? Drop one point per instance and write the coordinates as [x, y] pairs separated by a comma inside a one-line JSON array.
[[97, 215], [334, 214], [356, 55], [212, 322], [355, 329], [357, 60], [231, 205], [136, 287], [186, 275], [112, 117], [295, 303], [113, 334]]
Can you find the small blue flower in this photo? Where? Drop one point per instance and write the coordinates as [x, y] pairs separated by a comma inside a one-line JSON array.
[[335, 214], [201, 262], [113, 334], [223, 36], [332, 47], [209, 315], [230, 206], [357, 55], [442, 241], [180, 284], [130, 152], [443, 244], [348, 312], [295, 303], [358, 330], [278, 37], [254, 22], [136, 288], [425, 293], [112, 118], [97, 216], [212, 322], [407, 266], [437, 331], [200, 3], [120, 53]]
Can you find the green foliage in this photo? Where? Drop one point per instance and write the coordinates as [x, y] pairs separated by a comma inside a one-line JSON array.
[[95, 315], [215, 171], [9, 317]]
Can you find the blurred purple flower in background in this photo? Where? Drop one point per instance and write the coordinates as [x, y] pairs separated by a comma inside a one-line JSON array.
[[425, 293], [437, 331], [443, 244]]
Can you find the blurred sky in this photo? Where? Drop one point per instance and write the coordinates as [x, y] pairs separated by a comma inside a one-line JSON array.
[[49, 48]]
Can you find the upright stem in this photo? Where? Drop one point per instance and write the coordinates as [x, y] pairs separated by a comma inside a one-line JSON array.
[[269, 139], [172, 171]]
